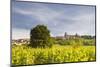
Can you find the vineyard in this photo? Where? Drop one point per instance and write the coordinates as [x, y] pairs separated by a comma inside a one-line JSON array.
[[25, 55]]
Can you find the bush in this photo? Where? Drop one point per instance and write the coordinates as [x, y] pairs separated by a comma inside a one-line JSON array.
[[73, 42], [89, 42], [65, 42]]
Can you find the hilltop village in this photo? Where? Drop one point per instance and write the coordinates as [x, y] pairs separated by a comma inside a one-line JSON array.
[[64, 37]]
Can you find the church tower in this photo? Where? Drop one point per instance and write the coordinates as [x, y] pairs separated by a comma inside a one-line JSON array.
[[65, 35]]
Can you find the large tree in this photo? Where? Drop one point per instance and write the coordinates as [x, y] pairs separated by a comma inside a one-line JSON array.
[[40, 36]]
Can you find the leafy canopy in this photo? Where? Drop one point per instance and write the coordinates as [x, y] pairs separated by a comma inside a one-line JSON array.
[[40, 36]]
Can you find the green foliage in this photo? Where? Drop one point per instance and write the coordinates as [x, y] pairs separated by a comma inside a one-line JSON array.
[[23, 55], [89, 42], [73, 42], [76, 42], [66, 42], [40, 37], [88, 37]]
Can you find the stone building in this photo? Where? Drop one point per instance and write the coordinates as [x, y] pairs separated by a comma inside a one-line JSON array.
[[66, 36]]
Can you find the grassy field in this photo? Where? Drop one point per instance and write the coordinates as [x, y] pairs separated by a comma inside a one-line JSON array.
[[24, 55]]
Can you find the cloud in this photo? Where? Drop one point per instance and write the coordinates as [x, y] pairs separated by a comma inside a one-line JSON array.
[[18, 33], [59, 18]]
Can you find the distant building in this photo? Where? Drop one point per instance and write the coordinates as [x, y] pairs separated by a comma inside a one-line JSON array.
[[66, 36], [20, 41], [27, 41]]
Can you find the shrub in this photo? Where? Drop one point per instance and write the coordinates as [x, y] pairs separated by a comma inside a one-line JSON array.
[[89, 42], [73, 42]]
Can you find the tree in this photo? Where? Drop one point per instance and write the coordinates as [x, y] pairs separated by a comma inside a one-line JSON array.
[[87, 37], [40, 37]]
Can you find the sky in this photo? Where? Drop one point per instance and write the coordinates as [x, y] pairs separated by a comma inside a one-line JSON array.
[[59, 18]]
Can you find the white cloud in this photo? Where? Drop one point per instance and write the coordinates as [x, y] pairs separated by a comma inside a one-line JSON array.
[[20, 33]]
